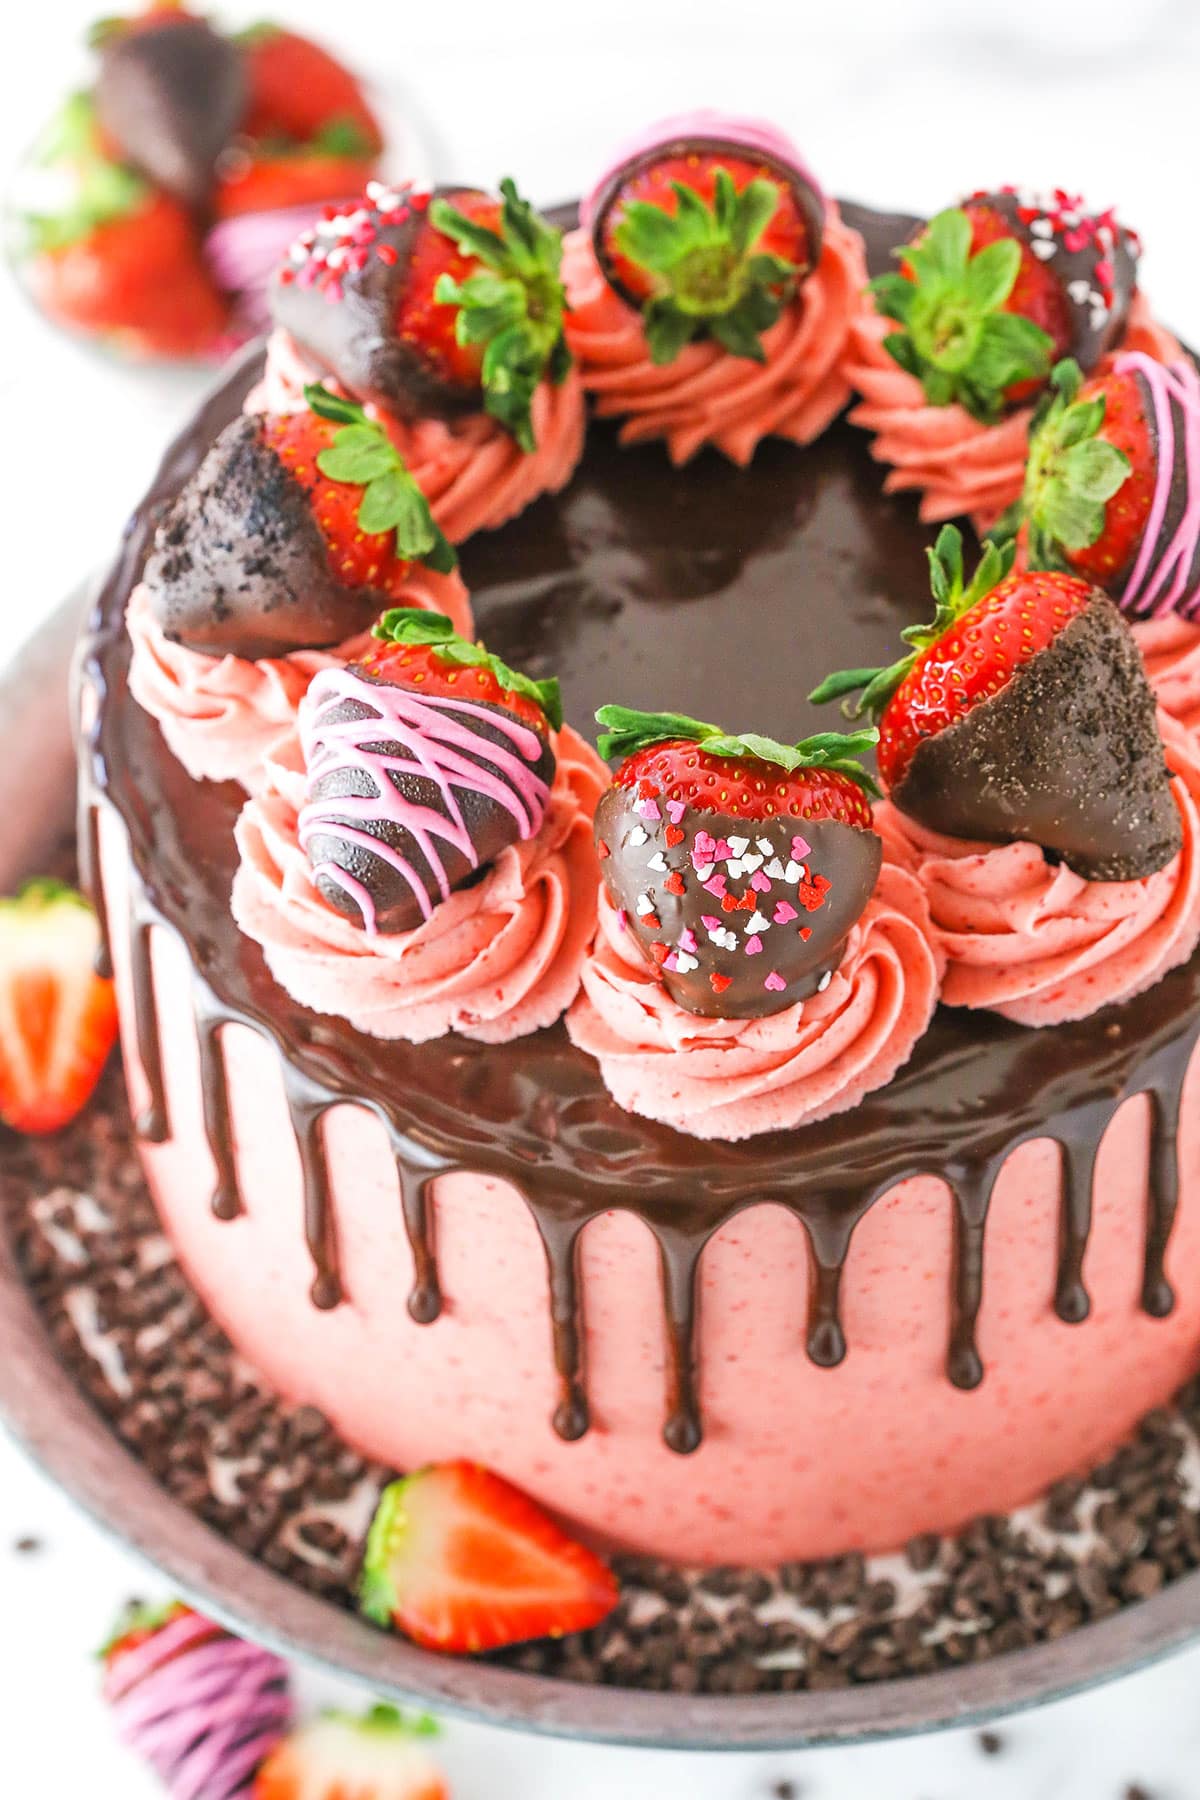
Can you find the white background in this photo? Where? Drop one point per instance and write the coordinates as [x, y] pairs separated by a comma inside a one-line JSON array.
[[900, 102]]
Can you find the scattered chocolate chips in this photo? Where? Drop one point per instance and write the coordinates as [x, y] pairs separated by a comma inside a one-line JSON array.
[[990, 1742], [28, 1546]]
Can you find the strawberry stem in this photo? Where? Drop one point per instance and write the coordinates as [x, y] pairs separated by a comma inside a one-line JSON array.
[[414, 625], [363, 455], [1071, 475], [627, 732]]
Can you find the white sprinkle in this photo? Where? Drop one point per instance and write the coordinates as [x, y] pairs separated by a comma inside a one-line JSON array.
[[703, 870], [765, 845], [1079, 290], [1042, 228], [775, 870], [644, 905], [756, 922], [751, 864], [825, 980], [794, 872], [685, 963], [658, 863], [738, 844], [1043, 248], [638, 835]]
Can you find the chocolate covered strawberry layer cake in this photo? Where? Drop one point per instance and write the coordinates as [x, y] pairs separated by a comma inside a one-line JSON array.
[[775, 1142]]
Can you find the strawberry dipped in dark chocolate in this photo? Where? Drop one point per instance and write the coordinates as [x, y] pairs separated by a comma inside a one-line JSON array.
[[707, 226], [1023, 712], [294, 533], [1112, 486], [433, 305], [425, 761], [740, 865], [992, 293]]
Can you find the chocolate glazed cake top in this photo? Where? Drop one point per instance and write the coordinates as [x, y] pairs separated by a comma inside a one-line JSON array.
[[741, 584]]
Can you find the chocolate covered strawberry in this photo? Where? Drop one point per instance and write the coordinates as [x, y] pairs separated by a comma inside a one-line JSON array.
[[432, 304], [992, 293], [1022, 711], [739, 864], [1112, 487], [708, 234], [425, 761], [460, 1560], [297, 93], [293, 533]]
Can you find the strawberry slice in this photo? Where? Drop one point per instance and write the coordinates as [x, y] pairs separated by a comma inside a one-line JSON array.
[[381, 1756], [58, 1019], [460, 1560]]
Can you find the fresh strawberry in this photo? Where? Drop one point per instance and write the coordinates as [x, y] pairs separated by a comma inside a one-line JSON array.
[[739, 864], [486, 768], [993, 292], [340, 1757], [453, 302], [1023, 711], [137, 1625], [460, 1560], [707, 237], [297, 91], [58, 1018], [268, 183], [1100, 453], [294, 533]]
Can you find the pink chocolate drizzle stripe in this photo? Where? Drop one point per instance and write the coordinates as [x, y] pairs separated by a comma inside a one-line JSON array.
[[436, 745], [1144, 594]]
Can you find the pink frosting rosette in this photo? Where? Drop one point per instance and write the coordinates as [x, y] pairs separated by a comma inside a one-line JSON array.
[[1170, 648], [472, 471], [494, 961], [718, 1078], [1033, 941], [958, 465], [224, 717]]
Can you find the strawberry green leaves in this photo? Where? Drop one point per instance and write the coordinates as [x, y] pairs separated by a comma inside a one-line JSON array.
[[875, 687], [627, 731], [98, 191], [709, 279], [1072, 472], [513, 306], [363, 455], [413, 625], [955, 336]]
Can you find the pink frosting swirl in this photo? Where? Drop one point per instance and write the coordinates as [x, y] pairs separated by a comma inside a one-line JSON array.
[[223, 717], [957, 465], [707, 395], [1170, 649], [472, 471], [1031, 940], [717, 1078], [494, 961]]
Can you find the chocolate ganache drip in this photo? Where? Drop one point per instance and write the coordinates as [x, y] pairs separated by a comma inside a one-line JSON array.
[[624, 560]]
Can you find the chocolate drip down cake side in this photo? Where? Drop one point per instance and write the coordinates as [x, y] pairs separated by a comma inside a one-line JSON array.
[[756, 1133]]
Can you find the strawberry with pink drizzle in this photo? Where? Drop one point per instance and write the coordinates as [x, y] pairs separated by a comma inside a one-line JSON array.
[[425, 761], [204, 1708], [711, 288]]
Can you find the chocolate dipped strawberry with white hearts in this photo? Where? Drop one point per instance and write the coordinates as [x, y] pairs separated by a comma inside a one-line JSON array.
[[425, 761], [1022, 712], [433, 305], [708, 231], [293, 534], [1112, 487], [992, 293], [739, 864]]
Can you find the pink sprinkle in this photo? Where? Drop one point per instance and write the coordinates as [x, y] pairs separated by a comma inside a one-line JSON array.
[[705, 848], [800, 848], [648, 809], [722, 852], [622, 920], [716, 887], [774, 983], [687, 941], [784, 913], [671, 963], [709, 923], [676, 810], [753, 946], [760, 883]]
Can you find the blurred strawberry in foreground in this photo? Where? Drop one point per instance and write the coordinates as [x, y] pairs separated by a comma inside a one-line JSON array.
[[58, 1018], [381, 1756]]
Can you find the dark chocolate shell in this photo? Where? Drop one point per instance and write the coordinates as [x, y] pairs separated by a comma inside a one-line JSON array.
[[172, 94]]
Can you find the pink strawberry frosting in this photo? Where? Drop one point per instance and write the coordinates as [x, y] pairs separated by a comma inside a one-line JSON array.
[[707, 395], [1170, 649], [471, 470], [717, 1078], [1039, 944], [957, 465], [495, 961], [223, 717]]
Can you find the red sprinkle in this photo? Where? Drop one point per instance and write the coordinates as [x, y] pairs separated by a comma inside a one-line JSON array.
[[602, 849], [387, 254], [674, 883], [674, 836], [659, 952], [719, 983]]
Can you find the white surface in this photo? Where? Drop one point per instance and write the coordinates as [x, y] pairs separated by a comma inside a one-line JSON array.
[[899, 104]]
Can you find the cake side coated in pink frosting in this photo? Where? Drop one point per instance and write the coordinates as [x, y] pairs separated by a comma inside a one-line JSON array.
[[718, 1078], [1170, 649], [493, 961], [225, 717], [473, 473], [1034, 941], [707, 395], [956, 464]]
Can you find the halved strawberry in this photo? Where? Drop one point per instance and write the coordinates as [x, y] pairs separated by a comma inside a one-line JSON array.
[[381, 1756], [739, 865], [426, 760], [460, 1560], [299, 91], [58, 1018], [1023, 711]]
